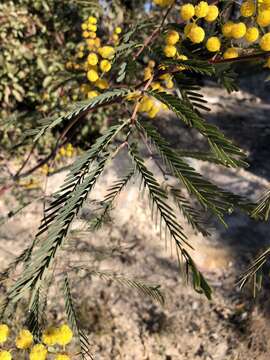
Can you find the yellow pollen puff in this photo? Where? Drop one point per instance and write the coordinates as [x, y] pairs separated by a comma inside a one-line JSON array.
[[147, 73], [92, 35], [151, 64], [163, 3], [154, 111], [187, 11], [212, 13], [118, 30], [238, 30], [263, 19], [201, 10], [91, 94], [92, 27], [105, 65], [92, 59], [92, 75], [102, 84], [252, 34], [49, 336], [265, 42], [38, 352], [107, 52], [146, 104], [92, 20], [196, 34], [213, 44], [169, 51], [24, 340], [62, 357], [247, 8], [84, 26], [4, 332], [227, 29], [231, 53], [65, 335], [85, 34], [172, 37], [5, 355], [97, 42]]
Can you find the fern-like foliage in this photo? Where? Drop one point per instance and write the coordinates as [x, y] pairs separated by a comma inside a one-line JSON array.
[[153, 291], [210, 196], [113, 192], [62, 211], [74, 322], [255, 272], [165, 214], [80, 109], [193, 216], [262, 210], [224, 150]]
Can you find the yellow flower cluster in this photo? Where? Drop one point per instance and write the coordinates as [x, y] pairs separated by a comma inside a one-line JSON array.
[[96, 58], [53, 336], [241, 33], [163, 3]]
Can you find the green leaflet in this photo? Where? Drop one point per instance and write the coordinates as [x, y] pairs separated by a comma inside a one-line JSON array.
[[224, 150], [81, 108]]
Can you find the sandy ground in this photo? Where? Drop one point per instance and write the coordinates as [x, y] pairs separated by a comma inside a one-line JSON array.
[[121, 323]]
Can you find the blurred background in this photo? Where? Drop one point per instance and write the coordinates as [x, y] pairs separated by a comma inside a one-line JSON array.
[[38, 40]]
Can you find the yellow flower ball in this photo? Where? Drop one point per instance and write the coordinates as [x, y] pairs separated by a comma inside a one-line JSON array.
[[263, 18], [213, 44], [65, 335], [38, 352], [154, 111], [49, 336], [92, 35], [118, 30], [212, 13], [84, 26], [97, 42], [201, 10], [147, 73], [24, 340], [248, 8], [238, 30], [62, 357], [92, 59], [92, 75], [252, 34], [151, 64], [91, 94], [85, 34], [146, 104], [265, 42], [196, 34], [5, 355], [4, 332], [172, 37], [105, 65], [227, 29], [231, 53], [188, 27], [187, 11], [170, 51], [92, 27], [163, 3], [92, 20], [107, 52], [102, 84]]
